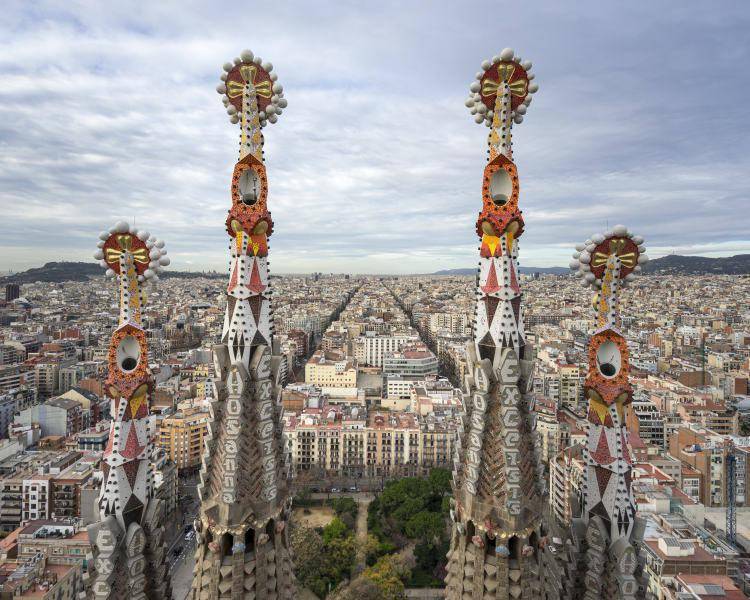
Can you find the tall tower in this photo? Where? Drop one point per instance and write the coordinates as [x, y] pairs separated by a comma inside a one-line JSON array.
[[130, 559], [242, 535], [607, 262], [497, 511]]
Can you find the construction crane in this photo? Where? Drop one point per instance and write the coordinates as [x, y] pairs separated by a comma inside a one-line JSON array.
[[731, 497]]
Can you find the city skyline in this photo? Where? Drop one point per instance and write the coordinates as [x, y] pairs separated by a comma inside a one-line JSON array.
[[377, 174]]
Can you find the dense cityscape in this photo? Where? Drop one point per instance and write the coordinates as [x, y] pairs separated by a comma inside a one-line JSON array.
[[373, 369]]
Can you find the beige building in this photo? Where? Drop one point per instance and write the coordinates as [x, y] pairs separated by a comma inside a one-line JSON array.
[[566, 472], [331, 370], [182, 436], [382, 444]]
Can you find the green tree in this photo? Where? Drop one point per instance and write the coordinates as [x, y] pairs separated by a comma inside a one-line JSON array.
[[425, 526], [334, 530], [389, 574]]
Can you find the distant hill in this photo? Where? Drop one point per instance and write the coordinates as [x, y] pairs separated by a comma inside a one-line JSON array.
[[699, 265], [524, 270], [666, 265], [56, 272]]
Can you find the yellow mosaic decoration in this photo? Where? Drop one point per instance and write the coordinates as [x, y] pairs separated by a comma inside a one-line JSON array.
[[248, 72], [140, 255]]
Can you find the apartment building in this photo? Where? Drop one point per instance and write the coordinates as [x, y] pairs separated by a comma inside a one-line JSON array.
[[182, 436], [706, 452], [376, 347], [351, 443], [412, 361], [331, 370]]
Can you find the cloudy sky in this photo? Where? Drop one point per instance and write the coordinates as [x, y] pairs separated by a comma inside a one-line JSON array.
[[108, 110]]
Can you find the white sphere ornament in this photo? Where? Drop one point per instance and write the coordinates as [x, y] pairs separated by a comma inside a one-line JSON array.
[[143, 235], [574, 264], [227, 66], [486, 64], [278, 88], [521, 110], [109, 273], [580, 247], [585, 258], [507, 54], [620, 230], [533, 88], [246, 55], [148, 273], [518, 119], [469, 102], [273, 119], [597, 238], [643, 259], [283, 103], [100, 244], [234, 119], [268, 67], [221, 88], [637, 240], [164, 261], [99, 254], [496, 59], [475, 87], [257, 60], [104, 236], [526, 65], [121, 226]]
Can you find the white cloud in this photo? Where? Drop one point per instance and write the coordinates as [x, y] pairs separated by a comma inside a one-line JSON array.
[[108, 111]]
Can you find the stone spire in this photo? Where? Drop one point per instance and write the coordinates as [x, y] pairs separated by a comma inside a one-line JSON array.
[[128, 541], [241, 532], [497, 511], [607, 262]]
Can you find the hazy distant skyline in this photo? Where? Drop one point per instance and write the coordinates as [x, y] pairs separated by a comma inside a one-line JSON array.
[[108, 111]]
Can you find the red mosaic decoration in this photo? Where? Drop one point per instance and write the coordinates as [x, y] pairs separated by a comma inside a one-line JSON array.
[[133, 447], [623, 247], [242, 74], [247, 217], [127, 382], [500, 217], [117, 243], [602, 454], [514, 74], [610, 389]]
